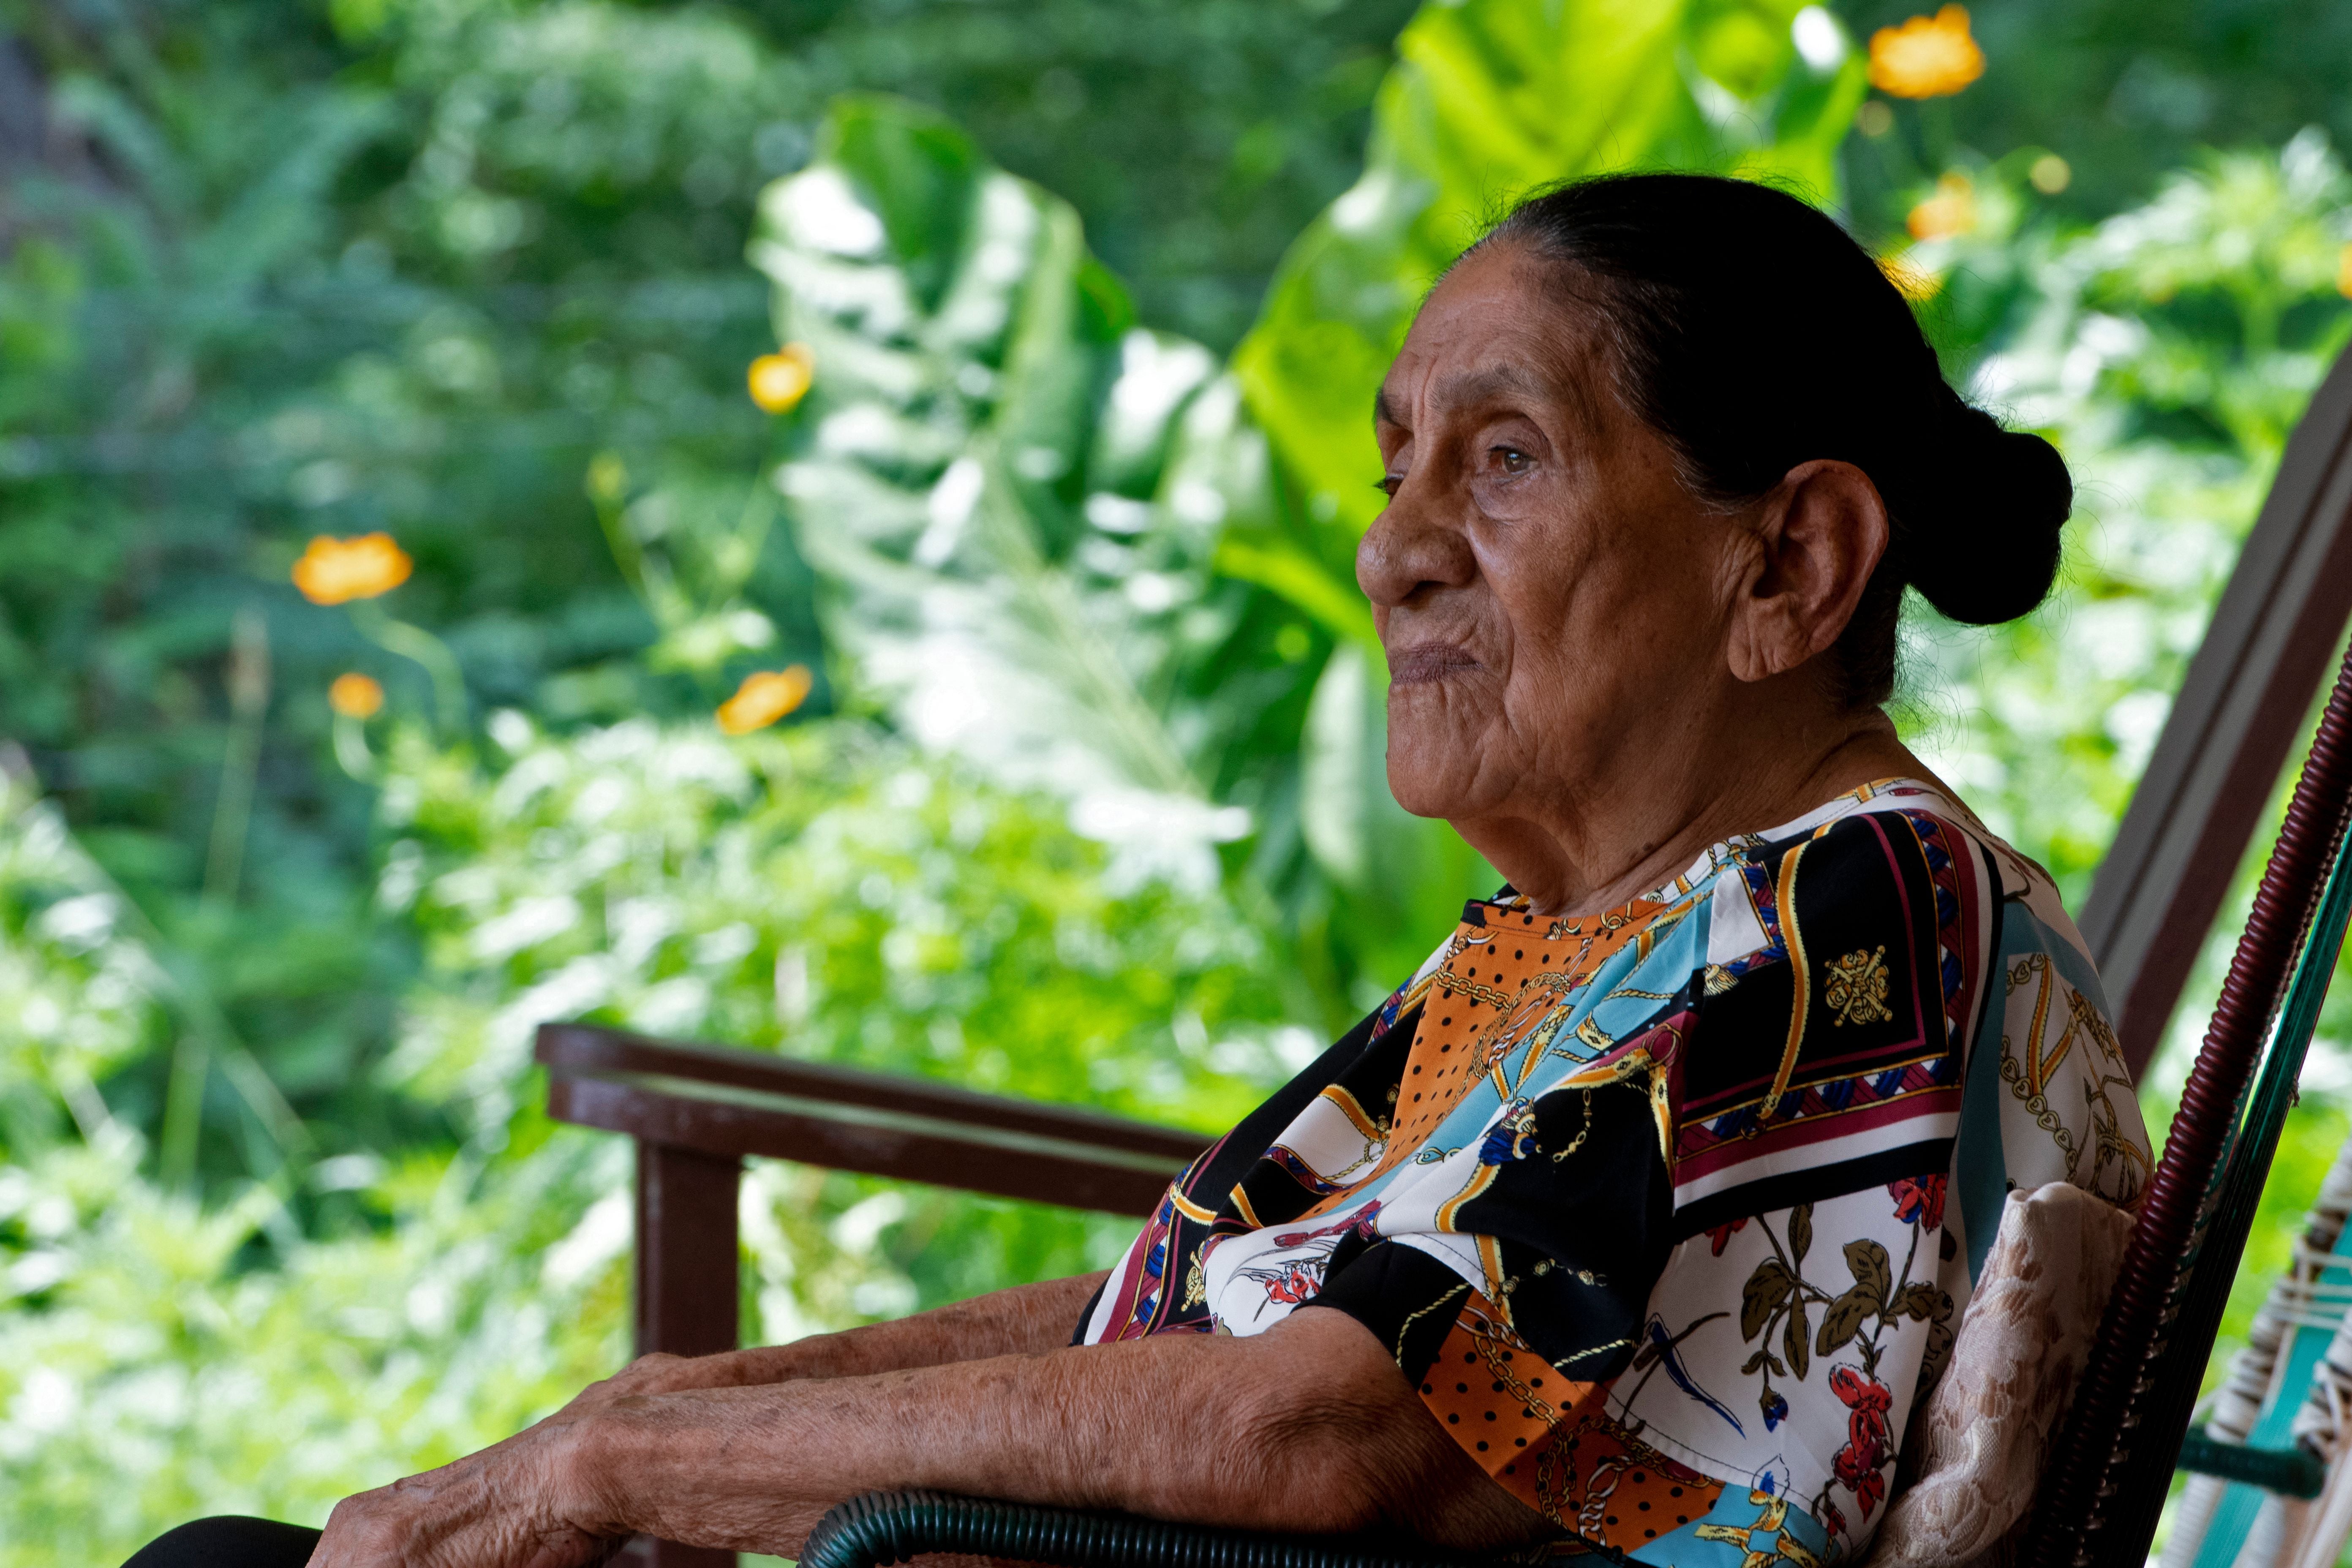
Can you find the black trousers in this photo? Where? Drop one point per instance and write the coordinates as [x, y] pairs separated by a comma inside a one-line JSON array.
[[229, 1542]]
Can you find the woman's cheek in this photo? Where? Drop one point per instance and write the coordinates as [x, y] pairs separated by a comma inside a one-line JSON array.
[[1511, 499]]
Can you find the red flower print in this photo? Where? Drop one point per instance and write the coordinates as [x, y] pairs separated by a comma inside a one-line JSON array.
[[1858, 1464], [1828, 1517], [1919, 1202], [1292, 1286], [1721, 1234]]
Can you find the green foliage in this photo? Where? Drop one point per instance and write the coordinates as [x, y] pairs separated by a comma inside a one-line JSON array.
[[1171, 608], [150, 1376], [2126, 90], [1021, 507], [2168, 351], [825, 890], [822, 891], [404, 266], [1488, 100], [1090, 802]]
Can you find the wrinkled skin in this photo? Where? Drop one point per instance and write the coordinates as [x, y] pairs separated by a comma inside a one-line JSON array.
[[1595, 674], [1306, 1426]]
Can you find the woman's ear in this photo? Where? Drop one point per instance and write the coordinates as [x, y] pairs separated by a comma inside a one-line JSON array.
[[1814, 542]]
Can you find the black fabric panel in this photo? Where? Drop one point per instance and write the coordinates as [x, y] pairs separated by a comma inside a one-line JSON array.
[[1367, 1068], [1406, 1298], [1929, 1157], [1581, 1239], [1863, 893], [1583, 1215], [1371, 1066]]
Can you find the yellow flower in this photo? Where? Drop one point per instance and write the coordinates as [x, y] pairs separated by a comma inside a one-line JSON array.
[[2344, 272], [1916, 283], [780, 380], [356, 696], [337, 571], [1926, 57], [1951, 210], [764, 698], [2051, 173]]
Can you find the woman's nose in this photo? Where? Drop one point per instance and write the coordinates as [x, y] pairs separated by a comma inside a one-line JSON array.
[[1411, 546]]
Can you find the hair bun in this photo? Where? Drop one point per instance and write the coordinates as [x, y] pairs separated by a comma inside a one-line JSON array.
[[1984, 521]]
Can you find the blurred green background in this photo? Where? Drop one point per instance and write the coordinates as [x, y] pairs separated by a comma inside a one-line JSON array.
[[1084, 802]]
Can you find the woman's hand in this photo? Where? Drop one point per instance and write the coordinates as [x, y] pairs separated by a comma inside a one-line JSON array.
[[533, 1501], [529, 1502]]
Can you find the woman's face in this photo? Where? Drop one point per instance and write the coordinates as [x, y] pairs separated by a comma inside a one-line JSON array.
[[1547, 592]]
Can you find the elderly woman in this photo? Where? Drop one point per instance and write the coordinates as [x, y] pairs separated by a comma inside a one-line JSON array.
[[1647, 1207]]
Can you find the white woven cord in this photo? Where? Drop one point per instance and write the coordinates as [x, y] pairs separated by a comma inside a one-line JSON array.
[[2309, 1295]]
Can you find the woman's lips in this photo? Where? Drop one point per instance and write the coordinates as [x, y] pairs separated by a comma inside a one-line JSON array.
[[1429, 661]]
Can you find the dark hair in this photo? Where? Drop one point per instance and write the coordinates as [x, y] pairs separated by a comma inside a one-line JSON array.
[[1753, 334]]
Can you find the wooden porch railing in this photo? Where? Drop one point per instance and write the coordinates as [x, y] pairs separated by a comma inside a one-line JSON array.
[[696, 1111]]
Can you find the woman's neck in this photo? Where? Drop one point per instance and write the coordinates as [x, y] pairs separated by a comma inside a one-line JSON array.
[[1595, 845]]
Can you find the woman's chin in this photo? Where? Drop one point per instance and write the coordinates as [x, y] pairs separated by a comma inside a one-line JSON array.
[[1443, 790]]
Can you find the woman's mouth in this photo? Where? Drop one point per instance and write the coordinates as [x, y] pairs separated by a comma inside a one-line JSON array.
[[1429, 661]]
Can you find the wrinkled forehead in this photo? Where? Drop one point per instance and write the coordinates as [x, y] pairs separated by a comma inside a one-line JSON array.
[[1494, 333]]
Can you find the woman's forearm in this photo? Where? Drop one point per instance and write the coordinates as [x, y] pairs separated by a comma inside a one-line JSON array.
[[1022, 1320], [1308, 1427]]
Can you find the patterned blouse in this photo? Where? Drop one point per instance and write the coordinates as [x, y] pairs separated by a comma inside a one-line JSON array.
[[1670, 1212]]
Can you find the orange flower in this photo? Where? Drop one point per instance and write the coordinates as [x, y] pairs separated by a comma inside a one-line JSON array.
[[1916, 283], [780, 380], [337, 571], [764, 698], [1926, 57], [356, 696], [1951, 210]]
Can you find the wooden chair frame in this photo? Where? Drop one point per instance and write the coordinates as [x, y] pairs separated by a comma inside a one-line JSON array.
[[2242, 703]]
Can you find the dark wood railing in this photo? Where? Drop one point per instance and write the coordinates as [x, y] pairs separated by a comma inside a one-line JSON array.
[[696, 1112]]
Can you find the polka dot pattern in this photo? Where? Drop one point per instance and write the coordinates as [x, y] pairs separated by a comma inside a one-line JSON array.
[[1501, 980]]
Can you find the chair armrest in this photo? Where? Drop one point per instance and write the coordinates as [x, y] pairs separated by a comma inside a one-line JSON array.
[[878, 1528], [2289, 1472], [726, 1103]]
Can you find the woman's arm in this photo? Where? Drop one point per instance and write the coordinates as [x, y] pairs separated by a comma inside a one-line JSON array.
[[1307, 1427], [1022, 1321]]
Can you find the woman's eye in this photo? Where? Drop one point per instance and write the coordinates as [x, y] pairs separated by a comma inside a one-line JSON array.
[[1513, 460]]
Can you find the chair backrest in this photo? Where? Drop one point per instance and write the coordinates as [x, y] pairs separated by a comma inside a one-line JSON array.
[[2244, 700], [2100, 1501]]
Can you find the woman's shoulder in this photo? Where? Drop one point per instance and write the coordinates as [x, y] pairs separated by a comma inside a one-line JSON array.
[[1848, 846], [1879, 917], [2022, 898], [1887, 857]]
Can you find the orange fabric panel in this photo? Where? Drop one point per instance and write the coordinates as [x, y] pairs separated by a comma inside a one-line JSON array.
[[1549, 1441], [1480, 1001]]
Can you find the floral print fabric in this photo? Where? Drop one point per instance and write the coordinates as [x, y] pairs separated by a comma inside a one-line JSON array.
[[1672, 1212]]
